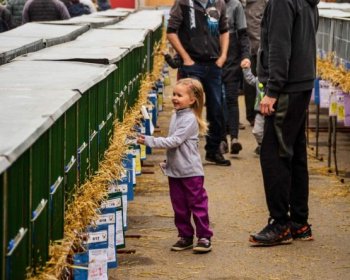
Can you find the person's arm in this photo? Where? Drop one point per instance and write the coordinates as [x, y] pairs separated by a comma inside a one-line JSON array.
[[243, 39], [280, 31], [224, 36], [183, 131], [249, 76], [174, 23], [175, 42], [224, 41]]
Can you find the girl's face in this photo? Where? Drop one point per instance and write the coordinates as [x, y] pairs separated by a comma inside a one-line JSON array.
[[181, 98]]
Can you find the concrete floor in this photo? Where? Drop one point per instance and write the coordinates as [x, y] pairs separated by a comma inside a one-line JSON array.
[[237, 207]]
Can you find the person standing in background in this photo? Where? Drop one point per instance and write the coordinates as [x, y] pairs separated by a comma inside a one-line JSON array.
[[287, 64], [16, 9], [198, 31], [5, 19], [254, 10], [41, 10], [238, 52]]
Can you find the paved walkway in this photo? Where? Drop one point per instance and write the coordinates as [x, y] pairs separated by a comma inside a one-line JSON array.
[[237, 208]]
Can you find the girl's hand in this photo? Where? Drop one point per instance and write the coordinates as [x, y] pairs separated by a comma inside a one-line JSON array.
[[140, 139], [245, 63]]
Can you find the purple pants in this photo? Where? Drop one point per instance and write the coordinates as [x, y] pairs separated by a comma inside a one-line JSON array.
[[188, 196]]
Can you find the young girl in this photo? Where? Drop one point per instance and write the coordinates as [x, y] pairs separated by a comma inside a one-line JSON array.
[[184, 166]]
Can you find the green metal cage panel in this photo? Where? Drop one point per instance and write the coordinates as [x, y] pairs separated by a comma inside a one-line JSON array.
[[17, 216], [70, 157], [93, 129], [83, 139], [56, 179], [4, 164], [102, 88], [39, 175]]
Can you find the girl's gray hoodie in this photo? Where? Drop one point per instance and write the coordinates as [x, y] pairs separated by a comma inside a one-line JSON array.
[[183, 158]]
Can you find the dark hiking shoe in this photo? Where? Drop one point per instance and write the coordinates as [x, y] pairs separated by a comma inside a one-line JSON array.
[[182, 244], [203, 246], [235, 146], [218, 159], [301, 231], [223, 148], [272, 234]]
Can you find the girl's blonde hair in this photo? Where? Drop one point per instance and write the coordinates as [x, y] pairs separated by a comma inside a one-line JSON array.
[[195, 89]]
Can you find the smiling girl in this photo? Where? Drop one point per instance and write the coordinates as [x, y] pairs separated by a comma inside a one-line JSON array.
[[184, 166]]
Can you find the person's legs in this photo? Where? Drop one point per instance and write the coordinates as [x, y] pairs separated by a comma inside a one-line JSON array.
[[223, 144], [283, 163], [276, 172], [181, 210], [258, 130], [232, 92], [299, 194], [213, 97], [197, 200], [210, 76]]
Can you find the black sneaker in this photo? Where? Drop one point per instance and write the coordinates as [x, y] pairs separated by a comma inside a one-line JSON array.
[[217, 159], [272, 234], [203, 246], [235, 146], [182, 244], [301, 231]]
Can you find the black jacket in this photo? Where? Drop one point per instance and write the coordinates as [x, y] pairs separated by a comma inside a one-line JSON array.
[[239, 47], [191, 23], [287, 54]]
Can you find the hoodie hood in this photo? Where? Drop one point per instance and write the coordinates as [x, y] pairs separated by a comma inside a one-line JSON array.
[[313, 3]]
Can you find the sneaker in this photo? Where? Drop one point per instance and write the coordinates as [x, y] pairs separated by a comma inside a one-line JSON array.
[[257, 150], [241, 126], [223, 147], [235, 146], [218, 159], [203, 246], [182, 244], [272, 234], [301, 231]]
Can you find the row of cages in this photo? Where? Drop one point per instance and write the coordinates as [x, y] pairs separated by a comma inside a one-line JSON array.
[[333, 36], [63, 112]]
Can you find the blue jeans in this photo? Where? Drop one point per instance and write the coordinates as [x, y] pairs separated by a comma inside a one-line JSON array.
[[209, 74]]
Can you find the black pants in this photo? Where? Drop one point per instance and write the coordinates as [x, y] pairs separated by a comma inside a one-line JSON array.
[[283, 159], [231, 110]]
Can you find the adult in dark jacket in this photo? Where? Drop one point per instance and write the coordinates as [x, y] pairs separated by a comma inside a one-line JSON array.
[[254, 10], [5, 19], [238, 51], [44, 10], [16, 8], [198, 31], [76, 8], [287, 64]]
